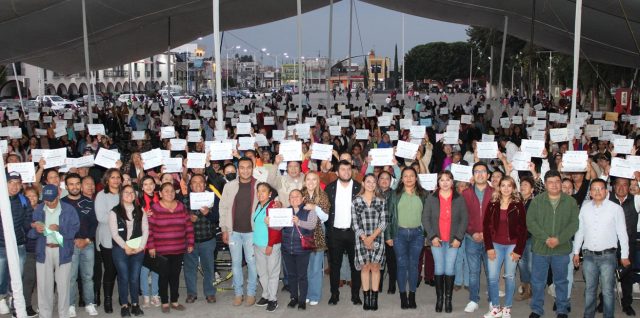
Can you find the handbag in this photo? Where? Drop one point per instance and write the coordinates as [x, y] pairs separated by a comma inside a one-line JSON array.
[[319, 237], [308, 241], [156, 264]]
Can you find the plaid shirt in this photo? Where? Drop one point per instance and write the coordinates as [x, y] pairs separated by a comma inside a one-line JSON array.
[[204, 227]]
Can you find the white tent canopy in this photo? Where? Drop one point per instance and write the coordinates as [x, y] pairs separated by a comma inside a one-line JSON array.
[[48, 33]]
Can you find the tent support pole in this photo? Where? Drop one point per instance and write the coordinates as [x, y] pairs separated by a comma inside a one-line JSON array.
[[216, 52], [504, 42], [531, 50], [576, 59], [299, 35], [87, 69], [328, 75], [350, 33], [15, 76], [402, 84]]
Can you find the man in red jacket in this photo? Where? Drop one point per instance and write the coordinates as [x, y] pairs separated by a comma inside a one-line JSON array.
[[477, 199]]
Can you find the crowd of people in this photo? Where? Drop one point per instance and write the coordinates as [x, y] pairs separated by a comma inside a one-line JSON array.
[[88, 221]]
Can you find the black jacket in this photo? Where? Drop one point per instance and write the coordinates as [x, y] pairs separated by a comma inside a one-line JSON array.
[[331, 193]]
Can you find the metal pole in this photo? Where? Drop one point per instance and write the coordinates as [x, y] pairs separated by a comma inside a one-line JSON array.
[[402, 84], [329, 64], [533, 20], [15, 76], [504, 42], [550, 81], [576, 59], [216, 52], [227, 72], [130, 75], [350, 33], [634, 79], [489, 94], [86, 61], [13, 258], [169, 53], [299, 32], [470, 70], [512, 74]]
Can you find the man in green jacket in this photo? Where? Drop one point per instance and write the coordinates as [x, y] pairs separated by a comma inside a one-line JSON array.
[[552, 219]]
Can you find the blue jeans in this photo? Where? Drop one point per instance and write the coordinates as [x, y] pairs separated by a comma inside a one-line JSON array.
[[599, 268], [4, 268], [144, 282], [82, 260], [315, 274], [239, 242], [444, 259], [503, 256], [476, 257], [540, 270], [202, 253], [408, 245], [524, 265], [462, 266], [128, 267]]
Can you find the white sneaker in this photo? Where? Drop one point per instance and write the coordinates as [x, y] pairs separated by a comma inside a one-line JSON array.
[[506, 312], [146, 302], [72, 311], [4, 308], [155, 301], [471, 307], [501, 293], [91, 309], [313, 303], [494, 312]]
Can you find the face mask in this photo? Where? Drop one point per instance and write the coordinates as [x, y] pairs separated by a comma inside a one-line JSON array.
[[230, 176]]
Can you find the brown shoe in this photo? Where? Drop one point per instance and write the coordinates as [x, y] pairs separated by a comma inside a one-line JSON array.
[[211, 299], [165, 309], [237, 300], [526, 293], [178, 307], [191, 299], [250, 301]]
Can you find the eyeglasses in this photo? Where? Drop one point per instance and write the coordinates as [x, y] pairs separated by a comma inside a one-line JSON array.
[[597, 189], [479, 171]]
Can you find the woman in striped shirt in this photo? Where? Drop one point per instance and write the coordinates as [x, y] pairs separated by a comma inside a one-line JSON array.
[[170, 235]]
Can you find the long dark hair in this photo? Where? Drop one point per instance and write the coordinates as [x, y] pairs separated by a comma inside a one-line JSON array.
[[420, 191], [120, 210], [107, 176]]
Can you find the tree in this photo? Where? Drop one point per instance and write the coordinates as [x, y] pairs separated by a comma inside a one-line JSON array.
[[438, 61], [246, 58]]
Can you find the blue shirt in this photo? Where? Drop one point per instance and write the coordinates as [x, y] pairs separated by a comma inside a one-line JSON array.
[[479, 194], [260, 229]]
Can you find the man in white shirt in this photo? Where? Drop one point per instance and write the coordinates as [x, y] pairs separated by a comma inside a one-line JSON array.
[[599, 245]]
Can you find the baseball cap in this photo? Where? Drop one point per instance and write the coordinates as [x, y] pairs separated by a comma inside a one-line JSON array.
[[49, 192], [13, 176]]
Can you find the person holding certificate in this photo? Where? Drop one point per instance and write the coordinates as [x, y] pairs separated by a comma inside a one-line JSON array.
[[505, 237], [405, 233], [296, 257], [266, 244], [369, 221], [130, 230], [148, 196], [170, 235], [445, 220]]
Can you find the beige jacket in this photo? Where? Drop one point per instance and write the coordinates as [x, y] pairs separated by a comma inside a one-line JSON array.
[[227, 203]]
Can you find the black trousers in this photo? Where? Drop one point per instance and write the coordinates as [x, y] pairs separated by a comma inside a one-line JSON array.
[[392, 269], [297, 266], [109, 275], [170, 279], [339, 243]]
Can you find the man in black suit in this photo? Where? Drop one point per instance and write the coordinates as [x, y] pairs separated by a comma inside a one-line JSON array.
[[341, 237]]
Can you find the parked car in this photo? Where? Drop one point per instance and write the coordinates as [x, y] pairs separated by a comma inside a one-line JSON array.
[[57, 102]]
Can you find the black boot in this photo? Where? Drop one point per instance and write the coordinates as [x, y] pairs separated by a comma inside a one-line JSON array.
[[411, 301], [404, 304], [367, 300], [108, 293], [374, 301], [448, 293], [392, 284], [439, 292], [381, 280], [96, 296]]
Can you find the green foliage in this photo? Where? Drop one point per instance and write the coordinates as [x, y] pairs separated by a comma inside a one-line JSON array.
[[438, 61]]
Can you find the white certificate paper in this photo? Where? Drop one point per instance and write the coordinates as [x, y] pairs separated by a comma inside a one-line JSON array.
[[451, 137], [172, 165], [220, 151], [487, 150], [178, 144], [151, 158], [243, 129], [246, 143], [622, 146], [362, 134], [54, 157], [196, 160], [381, 156], [575, 161], [521, 160], [281, 217], [137, 135], [461, 172], [406, 150], [559, 134], [291, 151], [321, 151], [201, 199], [194, 136], [486, 138], [428, 181], [26, 170], [418, 132], [621, 168], [167, 132], [534, 147], [96, 129], [107, 158]]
